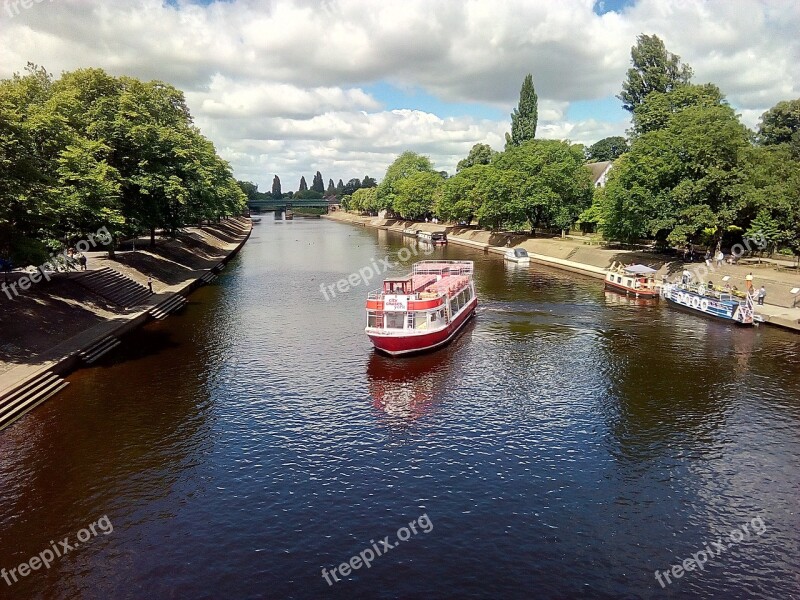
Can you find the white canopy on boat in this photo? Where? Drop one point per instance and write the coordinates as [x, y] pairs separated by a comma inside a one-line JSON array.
[[639, 269]]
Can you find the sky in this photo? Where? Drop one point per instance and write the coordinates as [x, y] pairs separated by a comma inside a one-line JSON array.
[[291, 87]]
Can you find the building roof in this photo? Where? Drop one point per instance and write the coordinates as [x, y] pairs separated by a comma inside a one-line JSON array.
[[598, 168]]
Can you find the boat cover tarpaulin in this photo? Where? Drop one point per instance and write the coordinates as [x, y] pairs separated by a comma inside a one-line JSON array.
[[639, 269]]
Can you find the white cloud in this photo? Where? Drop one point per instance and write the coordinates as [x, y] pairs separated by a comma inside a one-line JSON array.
[[283, 86]]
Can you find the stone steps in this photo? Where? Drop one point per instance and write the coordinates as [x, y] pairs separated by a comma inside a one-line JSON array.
[[98, 349], [115, 287], [20, 400], [168, 306]]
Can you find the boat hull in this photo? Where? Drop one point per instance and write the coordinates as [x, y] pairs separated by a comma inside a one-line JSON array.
[[700, 305], [638, 293], [396, 345]]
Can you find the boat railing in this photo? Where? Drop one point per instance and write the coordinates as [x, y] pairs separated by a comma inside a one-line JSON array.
[[454, 267]]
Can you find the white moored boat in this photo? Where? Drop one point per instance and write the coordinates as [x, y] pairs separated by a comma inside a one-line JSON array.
[[518, 255]]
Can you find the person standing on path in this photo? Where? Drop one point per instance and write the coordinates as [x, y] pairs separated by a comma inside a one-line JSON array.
[[762, 293], [150, 284], [82, 261], [720, 258], [748, 283]]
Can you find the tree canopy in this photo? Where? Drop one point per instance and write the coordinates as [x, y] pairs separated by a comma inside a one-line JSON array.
[[525, 117], [609, 148], [654, 69], [90, 150]]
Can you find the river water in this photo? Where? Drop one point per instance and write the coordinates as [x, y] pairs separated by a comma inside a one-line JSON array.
[[569, 444]]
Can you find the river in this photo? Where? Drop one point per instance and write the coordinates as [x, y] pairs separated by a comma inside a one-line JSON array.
[[569, 444]]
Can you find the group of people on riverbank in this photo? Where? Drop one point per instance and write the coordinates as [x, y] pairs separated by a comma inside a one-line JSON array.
[[759, 296]]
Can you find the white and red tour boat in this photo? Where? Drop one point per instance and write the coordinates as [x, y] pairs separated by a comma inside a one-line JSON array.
[[423, 310]]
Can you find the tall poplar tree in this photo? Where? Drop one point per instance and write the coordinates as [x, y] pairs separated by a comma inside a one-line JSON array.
[[276, 188], [525, 116], [654, 69], [318, 184], [303, 185]]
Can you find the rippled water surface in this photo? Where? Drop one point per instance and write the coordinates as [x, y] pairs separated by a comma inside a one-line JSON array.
[[569, 444]]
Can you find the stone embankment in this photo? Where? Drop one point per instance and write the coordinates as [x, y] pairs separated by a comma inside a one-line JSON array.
[[581, 256], [70, 321]]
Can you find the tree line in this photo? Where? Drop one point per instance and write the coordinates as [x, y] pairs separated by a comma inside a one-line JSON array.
[[316, 191], [688, 172], [89, 150]]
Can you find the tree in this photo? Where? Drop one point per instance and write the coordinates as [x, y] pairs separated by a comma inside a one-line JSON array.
[[609, 148], [276, 188], [250, 190], [404, 166], [525, 116], [553, 185], [656, 110], [654, 70], [331, 191], [303, 187], [460, 197], [364, 200], [318, 185], [368, 182], [679, 182], [781, 124], [91, 150], [340, 189], [351, 186], [415, 194], [480, 154]]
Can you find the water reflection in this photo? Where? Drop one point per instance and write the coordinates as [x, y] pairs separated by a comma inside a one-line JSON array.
[[406, 389]]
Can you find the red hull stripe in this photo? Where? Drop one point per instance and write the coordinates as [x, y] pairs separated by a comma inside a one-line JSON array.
[[622, 288], [417, 343]]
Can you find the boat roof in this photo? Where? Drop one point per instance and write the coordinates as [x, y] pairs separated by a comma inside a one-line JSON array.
[[639, 269], [444, 267]]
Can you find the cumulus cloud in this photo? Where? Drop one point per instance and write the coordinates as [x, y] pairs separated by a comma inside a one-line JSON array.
[[280, 86]]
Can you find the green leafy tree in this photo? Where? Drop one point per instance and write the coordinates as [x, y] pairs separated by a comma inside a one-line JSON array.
[[340, 189], [368, 182], [415, 194], [318, 184], [276, 188], [250, 190], [303, 187], [480, 154], [364, 200], [654, 69], [351, 186], [460, 197], [525, 117], [656, 110], [610, 148], [331, 191], [404, 166], [554, 186], [781, 124], [679, 181]]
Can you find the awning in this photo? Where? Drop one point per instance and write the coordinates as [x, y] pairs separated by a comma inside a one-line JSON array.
[[639, 270]]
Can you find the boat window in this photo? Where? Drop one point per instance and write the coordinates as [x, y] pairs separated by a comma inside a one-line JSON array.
[[619, 279], [395, 320], [375, 319]]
